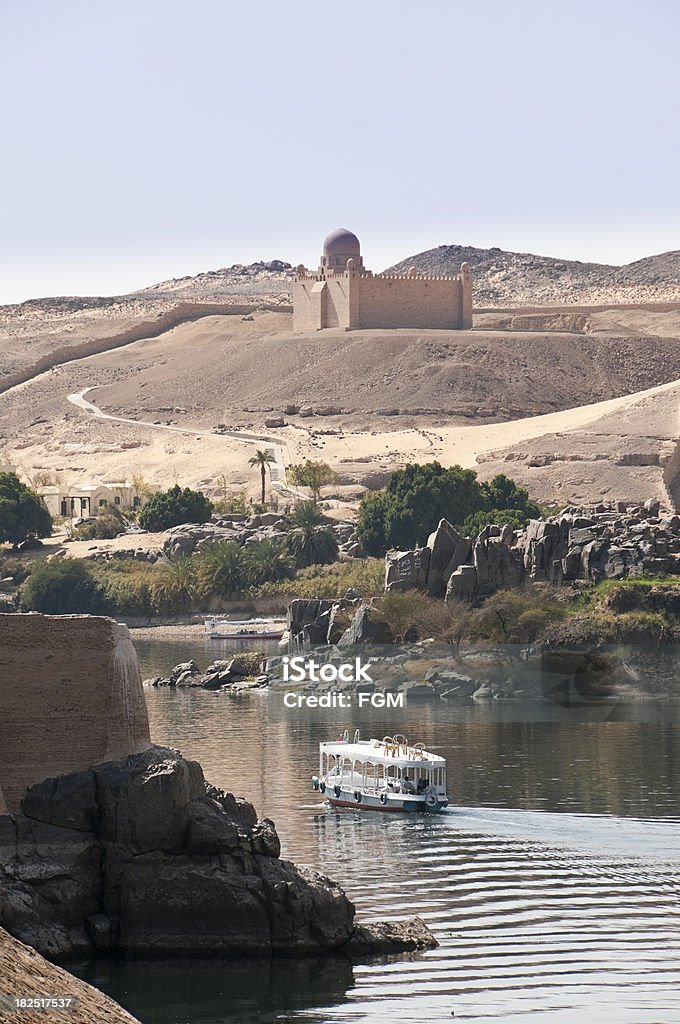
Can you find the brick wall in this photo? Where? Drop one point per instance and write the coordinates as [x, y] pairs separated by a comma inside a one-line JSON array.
[[70, 696]]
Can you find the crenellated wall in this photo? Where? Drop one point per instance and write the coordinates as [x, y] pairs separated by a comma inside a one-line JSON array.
[[70, 696], [356, 300]]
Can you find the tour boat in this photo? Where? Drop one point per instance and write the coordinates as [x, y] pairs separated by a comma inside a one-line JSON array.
[[381, 775], [245, 629]]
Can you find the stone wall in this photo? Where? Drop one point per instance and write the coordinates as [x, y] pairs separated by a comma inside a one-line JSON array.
[[70, 697], [355, 301], [399, 302]]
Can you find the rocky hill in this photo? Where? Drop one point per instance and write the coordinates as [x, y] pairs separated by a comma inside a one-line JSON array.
[[514, 279]]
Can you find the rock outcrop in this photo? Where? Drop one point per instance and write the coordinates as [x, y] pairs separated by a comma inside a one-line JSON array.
[[139, 856], [70, 696], [591, 543]]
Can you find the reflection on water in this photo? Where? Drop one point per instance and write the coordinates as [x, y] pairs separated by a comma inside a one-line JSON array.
[[551, 883], [206, 991]]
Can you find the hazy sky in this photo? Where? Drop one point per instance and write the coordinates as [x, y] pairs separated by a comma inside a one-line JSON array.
[[146, 139]]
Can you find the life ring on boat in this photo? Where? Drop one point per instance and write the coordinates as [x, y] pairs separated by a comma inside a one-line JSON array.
[[431, 800], [337, 791], [322, 787], [383, 798], [357, 796]]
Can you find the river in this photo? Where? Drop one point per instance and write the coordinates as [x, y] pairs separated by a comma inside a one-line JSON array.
[[551, 882]]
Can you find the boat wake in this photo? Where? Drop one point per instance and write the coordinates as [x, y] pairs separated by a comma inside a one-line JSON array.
[[649, 838]]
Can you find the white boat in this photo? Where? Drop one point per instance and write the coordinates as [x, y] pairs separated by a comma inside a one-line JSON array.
[[245, 629], [381, 775]]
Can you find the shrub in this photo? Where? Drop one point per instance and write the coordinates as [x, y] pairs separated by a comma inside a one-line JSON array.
[[127, 586], [475, 523], [173, 507], [23, 513], [331, 581], [418, 496], [103, 526], [63, 586]]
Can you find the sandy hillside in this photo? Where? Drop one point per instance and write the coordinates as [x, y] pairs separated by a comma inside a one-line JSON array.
[[380, 399]]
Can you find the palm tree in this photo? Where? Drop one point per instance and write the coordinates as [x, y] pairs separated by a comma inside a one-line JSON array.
[[223, 567], [177, 586], [262, 459], [310, 541], [268, 561]]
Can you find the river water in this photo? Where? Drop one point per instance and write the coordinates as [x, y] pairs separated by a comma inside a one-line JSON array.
[[552, 882]]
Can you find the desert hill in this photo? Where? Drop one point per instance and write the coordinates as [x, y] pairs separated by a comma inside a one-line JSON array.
[[219, 348], [39, 333], [512, 279]]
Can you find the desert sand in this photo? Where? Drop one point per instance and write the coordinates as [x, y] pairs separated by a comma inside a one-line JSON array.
[[579, 414]]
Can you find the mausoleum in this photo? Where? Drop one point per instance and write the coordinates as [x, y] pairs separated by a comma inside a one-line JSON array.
[[343, 294]]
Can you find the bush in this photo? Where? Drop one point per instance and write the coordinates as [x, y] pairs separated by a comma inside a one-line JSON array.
[[23, 513], [367, 577], [268, 561], [418, 496], [176, 586], [103, 526], [63, 586], [174, 507], [475, 523], [127, 586]]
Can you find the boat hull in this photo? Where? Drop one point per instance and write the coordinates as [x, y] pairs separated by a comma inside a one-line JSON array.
[[372, 802]]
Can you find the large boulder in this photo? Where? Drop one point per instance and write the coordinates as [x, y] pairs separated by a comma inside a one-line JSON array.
[[367, 627], [407, 570], [462, 584], [139, 856], [448, 550]]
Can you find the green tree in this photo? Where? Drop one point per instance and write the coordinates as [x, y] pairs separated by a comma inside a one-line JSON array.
[[223, 568], [173, 507], [23, 513], [262, 459], [314, 475], [63, 586], [310, 541], [503, 493], [371, 526], [414, 500], [474, 524], [268, 561]]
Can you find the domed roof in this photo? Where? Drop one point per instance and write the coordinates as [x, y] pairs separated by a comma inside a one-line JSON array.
[[341, 242]]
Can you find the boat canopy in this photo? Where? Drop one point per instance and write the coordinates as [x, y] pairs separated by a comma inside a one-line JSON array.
[[391, 750]]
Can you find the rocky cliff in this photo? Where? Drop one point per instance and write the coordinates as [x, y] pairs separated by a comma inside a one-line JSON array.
[[592, 542], [142, 857]]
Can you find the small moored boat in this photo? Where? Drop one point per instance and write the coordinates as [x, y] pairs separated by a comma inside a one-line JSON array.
[[381, 775], [245, 629]]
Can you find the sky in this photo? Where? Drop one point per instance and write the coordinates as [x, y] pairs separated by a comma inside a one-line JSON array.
[[148, 139]]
